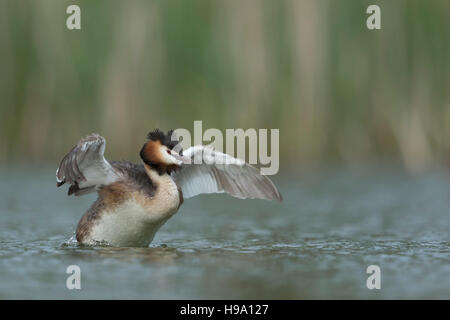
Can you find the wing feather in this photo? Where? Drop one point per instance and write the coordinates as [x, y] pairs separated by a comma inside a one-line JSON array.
[[85, 167], [220, 173]]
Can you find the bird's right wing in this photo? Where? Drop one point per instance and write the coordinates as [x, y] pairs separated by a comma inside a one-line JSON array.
[[85, 167]]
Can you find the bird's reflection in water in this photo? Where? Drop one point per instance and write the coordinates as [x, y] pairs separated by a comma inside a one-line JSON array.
[[151, 254], [160, 254]]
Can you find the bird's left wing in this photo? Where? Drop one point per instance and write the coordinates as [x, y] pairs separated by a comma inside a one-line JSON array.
[[218, 173]]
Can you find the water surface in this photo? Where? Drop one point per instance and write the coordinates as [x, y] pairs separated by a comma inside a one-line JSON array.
[[316, 244]]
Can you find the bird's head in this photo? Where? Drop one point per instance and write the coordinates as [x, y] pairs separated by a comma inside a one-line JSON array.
[[158, 152]]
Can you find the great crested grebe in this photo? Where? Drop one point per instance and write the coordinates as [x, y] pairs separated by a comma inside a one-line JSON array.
[[135, 200]]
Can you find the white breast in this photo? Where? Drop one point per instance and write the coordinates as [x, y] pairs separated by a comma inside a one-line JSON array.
[[136, 220]]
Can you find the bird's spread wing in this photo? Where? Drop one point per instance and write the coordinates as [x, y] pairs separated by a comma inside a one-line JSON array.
[[219, 172], [85, 168]]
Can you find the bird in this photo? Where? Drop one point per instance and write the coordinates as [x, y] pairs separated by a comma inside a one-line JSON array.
[[135, 199]]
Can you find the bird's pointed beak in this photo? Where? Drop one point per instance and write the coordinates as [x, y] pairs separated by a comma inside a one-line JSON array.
[[180, 158]]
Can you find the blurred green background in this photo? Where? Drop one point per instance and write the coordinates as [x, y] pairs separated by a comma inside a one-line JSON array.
[[337, 91]]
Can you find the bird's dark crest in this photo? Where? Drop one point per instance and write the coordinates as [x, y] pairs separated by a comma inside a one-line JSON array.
[[169, 140]]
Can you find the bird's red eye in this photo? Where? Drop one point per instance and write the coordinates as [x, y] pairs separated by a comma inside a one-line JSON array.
[[168, 151]]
